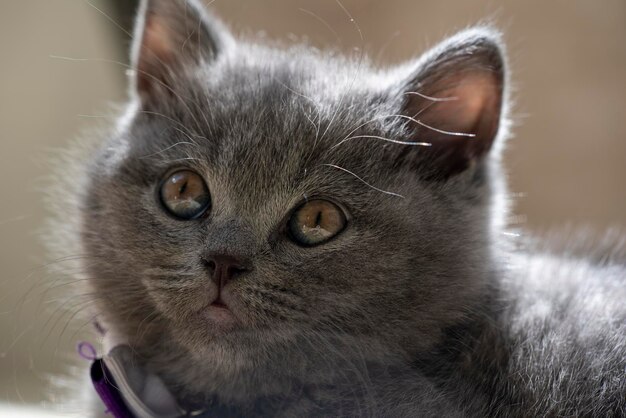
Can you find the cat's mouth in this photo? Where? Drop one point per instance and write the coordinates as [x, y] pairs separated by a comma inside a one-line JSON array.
[[219, 303], [219, 315]]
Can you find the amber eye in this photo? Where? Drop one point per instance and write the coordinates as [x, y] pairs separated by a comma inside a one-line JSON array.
[[185, 195], [315, 222]]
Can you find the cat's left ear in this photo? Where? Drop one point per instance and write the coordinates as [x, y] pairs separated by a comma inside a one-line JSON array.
[[454, 97], [172, 37]]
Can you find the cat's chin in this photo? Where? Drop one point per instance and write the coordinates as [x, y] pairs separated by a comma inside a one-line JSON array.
[[236, 362], [221, 332]]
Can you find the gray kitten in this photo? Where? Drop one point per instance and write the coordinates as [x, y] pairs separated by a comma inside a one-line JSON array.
[[287, 232]]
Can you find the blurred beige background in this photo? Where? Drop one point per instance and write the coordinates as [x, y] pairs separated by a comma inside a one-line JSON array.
[[566, 162]]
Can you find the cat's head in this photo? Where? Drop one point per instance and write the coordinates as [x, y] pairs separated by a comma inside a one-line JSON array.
[[256, 202]]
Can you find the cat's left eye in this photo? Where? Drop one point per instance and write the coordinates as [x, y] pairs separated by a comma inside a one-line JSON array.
[[316, 222], [185, 195]]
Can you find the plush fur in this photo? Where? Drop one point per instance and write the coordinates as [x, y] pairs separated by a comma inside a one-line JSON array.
[[423, 306]]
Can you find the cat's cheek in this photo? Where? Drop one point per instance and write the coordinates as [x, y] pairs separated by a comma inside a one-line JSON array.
[[178, 303]]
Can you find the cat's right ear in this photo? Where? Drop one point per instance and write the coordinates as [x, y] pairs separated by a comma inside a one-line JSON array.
[[453, 98], [171, 38]]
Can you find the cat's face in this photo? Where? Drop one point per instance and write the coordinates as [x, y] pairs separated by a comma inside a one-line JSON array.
[[254, 201]]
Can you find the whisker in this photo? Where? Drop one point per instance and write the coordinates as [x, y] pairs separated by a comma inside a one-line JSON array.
[[431, 98], [154, 78], [184, 130], [82, 115], [356, 73], [82, 304], [374, 120], [78, 330], [19, 337], [191, 33], [15, 219], [363, 181], [167, 149], [68, 283], [297, 93], [60, 57], [412, 119], [441, 131], [193, 142], [395, 141], [322, 21], [110, 19], [25, 297], [151, 319], [184, 159], [386, 45], [70, 321], [356, 25]]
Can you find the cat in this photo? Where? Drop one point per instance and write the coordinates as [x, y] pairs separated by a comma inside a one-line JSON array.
[[282, 231]]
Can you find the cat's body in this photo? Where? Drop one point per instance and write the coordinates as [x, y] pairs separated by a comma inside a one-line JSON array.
[[549, 344], [417, 304]]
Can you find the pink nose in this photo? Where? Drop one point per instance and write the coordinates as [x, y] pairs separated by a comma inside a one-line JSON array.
[[223, 268]]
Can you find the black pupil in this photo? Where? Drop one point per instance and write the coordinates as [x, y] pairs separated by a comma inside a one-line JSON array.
[[182, 188], [318, 218]]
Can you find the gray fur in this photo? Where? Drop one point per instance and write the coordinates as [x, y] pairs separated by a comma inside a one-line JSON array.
[[421, 307]]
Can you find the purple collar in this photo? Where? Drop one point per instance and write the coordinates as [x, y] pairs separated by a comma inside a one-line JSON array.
[[127, 390], [106, 388]]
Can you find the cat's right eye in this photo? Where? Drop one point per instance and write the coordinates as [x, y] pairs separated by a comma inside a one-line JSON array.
[[316, 222], [185, 195]]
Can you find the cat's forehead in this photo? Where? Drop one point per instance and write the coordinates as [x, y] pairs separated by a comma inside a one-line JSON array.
[[297, 82], [278, 118]]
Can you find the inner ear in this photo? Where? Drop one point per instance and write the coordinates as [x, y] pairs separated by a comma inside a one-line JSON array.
[[454, 103], [170, 36], [156, 58]]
